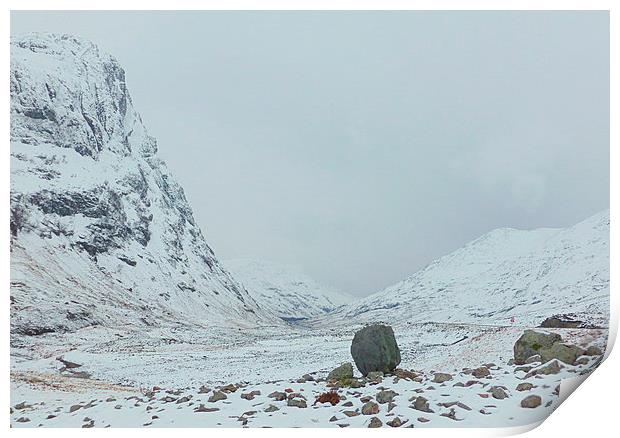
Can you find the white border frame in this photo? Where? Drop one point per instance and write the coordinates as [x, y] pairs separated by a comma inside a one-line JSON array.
[[589, 412]]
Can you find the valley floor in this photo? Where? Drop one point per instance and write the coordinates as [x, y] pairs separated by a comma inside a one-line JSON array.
[[167, 376]]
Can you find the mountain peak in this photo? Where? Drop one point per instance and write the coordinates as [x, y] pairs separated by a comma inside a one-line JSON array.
[[505, 273], [99, 226], [68, 93]]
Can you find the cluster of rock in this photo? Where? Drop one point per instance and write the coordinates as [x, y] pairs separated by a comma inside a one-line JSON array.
[[537, 355], [375, 353], [375, 404], [535, 346]]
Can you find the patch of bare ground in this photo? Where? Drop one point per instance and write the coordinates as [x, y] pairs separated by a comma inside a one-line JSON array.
[[55, 382]]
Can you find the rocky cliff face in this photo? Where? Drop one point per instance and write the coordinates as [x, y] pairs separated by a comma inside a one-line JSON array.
[[101, 234]]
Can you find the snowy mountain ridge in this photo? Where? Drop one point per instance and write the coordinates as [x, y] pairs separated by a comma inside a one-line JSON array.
[[285, 289], [101, 234], [504, 276]]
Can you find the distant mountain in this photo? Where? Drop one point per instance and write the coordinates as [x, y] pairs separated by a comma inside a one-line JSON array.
[[505, 274], [285, 290], [101, 233]]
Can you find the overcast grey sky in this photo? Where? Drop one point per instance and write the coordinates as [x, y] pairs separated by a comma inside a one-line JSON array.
[[363, 145]]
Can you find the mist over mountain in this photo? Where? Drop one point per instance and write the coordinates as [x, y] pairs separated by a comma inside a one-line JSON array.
[[285, 289]]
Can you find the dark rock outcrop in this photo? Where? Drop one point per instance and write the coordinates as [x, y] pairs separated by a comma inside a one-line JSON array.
[[561, 321], [532, 343], [374, 348]]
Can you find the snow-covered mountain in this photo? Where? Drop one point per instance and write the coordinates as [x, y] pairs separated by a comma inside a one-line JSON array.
[[101, 234], [285, 289], [528, 275]]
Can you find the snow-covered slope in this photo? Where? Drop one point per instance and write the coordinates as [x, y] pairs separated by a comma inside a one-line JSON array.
[[286, 290], [528, 275], [101, 234]]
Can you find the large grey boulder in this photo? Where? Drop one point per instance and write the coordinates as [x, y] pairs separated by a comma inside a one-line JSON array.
[[531, 343], [374, 348]]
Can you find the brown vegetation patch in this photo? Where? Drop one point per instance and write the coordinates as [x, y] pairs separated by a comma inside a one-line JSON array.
[[328, 397]]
